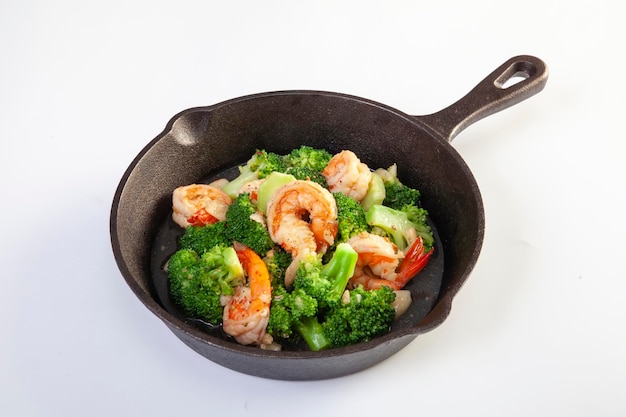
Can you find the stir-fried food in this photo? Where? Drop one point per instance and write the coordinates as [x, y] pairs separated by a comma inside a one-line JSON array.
[[247, 312], [199, 204], [302, 219], [307, 248]]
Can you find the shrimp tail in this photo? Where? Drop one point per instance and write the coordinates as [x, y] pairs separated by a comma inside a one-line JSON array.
[[415, 260]]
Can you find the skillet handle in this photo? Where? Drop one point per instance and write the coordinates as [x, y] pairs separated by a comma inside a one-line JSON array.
[[491, 95]]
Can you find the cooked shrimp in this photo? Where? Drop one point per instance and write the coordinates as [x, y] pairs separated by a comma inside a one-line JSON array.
[[377, 263], [247, 313], [415, 260], [302, 218], [251, 188], [199, 204], [345, 173]]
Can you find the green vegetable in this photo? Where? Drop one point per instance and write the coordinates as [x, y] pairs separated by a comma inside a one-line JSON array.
[[307, 163], [295, 313], [292, 313], [269, 186], [307, 173], [361, 316], [397, 195], [287, 309], [323, 313], [350, 217], [308, 157], [326, 282], [260, 165], [197, 282], [277, 262], [313, 333], [202, 238], [319, 308], [401, 226], [418, 216], [375, 192], [240, 227]]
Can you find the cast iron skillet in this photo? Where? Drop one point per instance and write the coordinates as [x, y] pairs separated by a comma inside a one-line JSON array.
[[202, 143]]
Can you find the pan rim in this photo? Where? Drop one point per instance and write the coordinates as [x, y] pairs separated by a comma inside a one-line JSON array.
[[443, 305]]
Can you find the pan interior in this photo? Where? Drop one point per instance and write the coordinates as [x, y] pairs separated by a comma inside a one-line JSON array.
[[204, 143], [424, 288]]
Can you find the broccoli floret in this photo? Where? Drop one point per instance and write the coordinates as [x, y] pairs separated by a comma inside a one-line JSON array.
[[240, 227], [280, 323], [260, 165], [397, 194], [293, 315], [307, 163], [361, 316], [287, 309], [197, 282], [350, 217], [418, 216], [319, 309], [326, 282], [264, 163], [308, 157], [308, 173], [277, 261], [401, 226], [202, 238]]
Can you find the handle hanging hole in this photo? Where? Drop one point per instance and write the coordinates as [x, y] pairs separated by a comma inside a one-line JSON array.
[[515, 74], [512, 80]]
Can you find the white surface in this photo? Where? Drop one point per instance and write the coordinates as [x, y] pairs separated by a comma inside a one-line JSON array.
[[540, 327]]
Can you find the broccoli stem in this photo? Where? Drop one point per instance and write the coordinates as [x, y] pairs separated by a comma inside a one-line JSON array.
[[394, 222], [312, 332], [269, 186], [232, 263], [375, 192], [245, 175], [340, 269]]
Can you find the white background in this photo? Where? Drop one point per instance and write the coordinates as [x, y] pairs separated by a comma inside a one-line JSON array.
[[539, 329]]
